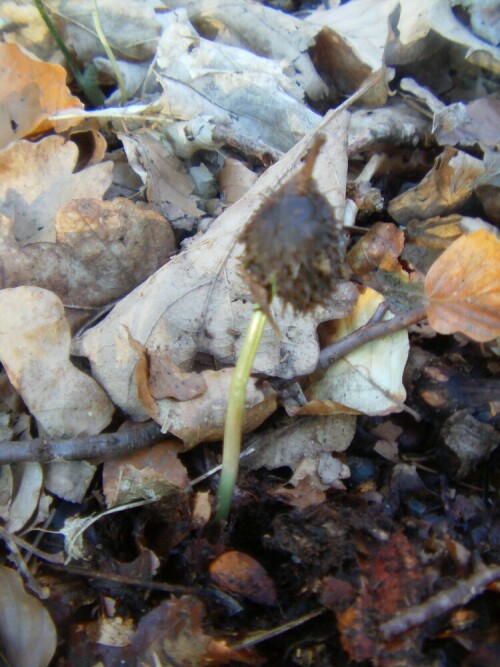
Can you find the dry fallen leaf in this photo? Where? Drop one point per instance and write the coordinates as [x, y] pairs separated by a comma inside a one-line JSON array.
[[36, 179], [103, 250], [235, 179], [199, 301], [463, 288], [445, 188], [34, 350], [468, 124], [261, 30], [368, 380], [202, 418], [173, 634], [27, 29], [31, 91], [238, 90], [28, 485], [69, 480], [288, 444], [151, 473], [131, 27], [27, 633], [169, 186], [351, 45], [438, 16], [240, 573], [380, 248]]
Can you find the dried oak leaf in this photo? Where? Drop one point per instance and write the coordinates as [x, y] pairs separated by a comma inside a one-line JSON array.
[[463, 288], [31, 91]]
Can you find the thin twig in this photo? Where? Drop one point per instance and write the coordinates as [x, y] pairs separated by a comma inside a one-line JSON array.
[[104, 446], [441, 603], [130, 581], [258, 637], [23, 544], [368, 333], [111, 56]]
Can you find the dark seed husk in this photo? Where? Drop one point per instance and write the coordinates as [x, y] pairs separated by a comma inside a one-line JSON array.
[[293, 244]]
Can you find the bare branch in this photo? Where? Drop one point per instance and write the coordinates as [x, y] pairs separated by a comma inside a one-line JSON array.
[[441, 603], [104, 446], [371, 331]]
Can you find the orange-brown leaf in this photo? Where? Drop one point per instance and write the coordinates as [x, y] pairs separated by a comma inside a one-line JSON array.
[[463, 288], [30, 91], [237, 572]]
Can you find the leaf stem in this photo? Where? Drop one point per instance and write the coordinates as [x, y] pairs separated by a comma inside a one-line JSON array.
[[90, 89], [236, 411], [111, 56]]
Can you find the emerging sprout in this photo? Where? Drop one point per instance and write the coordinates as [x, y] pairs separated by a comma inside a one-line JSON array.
[[293, 249]]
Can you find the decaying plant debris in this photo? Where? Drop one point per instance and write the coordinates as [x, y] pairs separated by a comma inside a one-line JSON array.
[[135, 240]]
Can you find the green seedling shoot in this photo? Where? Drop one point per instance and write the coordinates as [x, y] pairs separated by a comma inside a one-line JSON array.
[[292, 249]]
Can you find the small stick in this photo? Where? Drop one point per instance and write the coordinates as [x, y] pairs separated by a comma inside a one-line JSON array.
[[441, 603], [366, 334], [104, 446]]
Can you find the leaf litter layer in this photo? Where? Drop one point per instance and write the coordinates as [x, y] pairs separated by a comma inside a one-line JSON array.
[[364, 527]]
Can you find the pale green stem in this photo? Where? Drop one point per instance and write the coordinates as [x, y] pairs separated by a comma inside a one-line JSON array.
[[109, 52], [236, 412]]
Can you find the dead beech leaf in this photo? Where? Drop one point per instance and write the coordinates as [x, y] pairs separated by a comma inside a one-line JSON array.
[[445, 188], [103, 250], [167, 380], [350, 45], [202, 418], [438, 16], [245, 95], [27, 28], [30, 91], [463, 288], [261, 30], [151, 473], [467, 124], [34, 350], [200, 302], [28, 479], [379, 248], [289, 443], [36, 179], [240, 573], [169, 185], [368, 380], [235, 179], [132, 28], [27, 633]]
